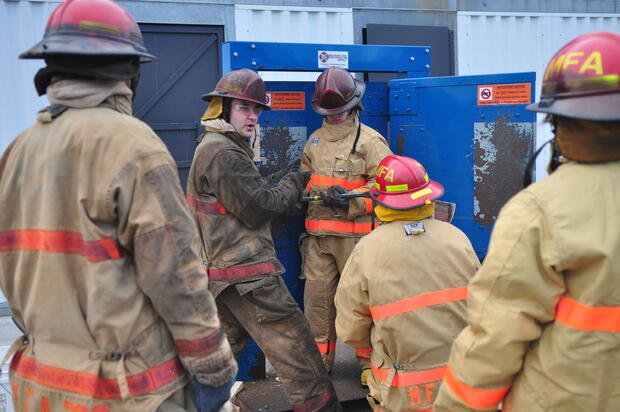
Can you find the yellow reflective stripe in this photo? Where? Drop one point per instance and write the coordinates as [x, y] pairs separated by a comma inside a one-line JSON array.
[[397, 188], [420, 193], [426, 178], [378, 186]]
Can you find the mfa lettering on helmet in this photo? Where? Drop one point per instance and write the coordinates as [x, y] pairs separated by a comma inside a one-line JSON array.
[[389, 173], [594, 61]]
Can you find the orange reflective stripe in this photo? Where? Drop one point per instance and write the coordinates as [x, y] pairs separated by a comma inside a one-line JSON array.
[[91, 384], [327, 347], [417, 302], [364, 353], [369, 206], [205, 207], [583, 317], [327, 181], [474, 397], [237, 272], [338, 226], [201, 346], [408, 378], [61, 242]]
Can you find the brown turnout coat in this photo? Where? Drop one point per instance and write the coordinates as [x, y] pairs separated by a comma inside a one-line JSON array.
[[96, 263]]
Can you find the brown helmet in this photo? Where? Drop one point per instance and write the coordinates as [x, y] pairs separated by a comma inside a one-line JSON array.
[[241, 84], [90, 28], [336, 91], [582, 80]]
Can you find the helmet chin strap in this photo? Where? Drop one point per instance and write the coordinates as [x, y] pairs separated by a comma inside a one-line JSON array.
[[556, 156]]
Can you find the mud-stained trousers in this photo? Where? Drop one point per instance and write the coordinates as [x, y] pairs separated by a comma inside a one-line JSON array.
[[324, 258], [265, 311]]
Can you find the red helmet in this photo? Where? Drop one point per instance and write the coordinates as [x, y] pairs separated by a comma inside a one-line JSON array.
[[402, 183], [241, 84], [582, 79], [336, 91], [90, 28]]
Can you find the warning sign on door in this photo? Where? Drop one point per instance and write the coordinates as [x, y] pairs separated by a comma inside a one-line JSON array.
[[286, 100], [495, 94]]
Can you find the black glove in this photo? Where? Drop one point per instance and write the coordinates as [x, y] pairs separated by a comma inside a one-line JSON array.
[[296, 182], [208, 398], [332, 197], [275, 178]]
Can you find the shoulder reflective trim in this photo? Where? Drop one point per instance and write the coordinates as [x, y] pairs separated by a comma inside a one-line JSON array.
[[92, 385], [315, 403], [201, 346], [364, 353], [583, 317], [474, 397], [237, 272], [205, 207], [418, 302], [420, 193], [397, 188], [338, 226], [327, 181], [327, 347], [408, 378], [61, 242]]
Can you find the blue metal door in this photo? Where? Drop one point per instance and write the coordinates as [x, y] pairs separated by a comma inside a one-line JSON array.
[[473, 135], [168, 95]]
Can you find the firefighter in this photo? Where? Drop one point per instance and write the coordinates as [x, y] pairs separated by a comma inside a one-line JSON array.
[[233, 206], [403, 290], [343, 156], [543, 331], [96, 255]]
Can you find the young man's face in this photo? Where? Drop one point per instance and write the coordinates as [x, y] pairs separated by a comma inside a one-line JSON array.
[[338, 118], [244, 116]]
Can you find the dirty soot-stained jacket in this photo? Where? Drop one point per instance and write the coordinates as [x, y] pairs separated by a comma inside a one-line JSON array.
[[96, 262], [328, 156], [233, 206]]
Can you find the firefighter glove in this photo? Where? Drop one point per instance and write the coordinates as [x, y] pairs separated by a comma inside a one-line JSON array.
[[275, 178], [208, 398], [333, 197], [297, 181]]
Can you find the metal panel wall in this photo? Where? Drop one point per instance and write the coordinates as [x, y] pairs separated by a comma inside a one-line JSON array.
[[293, 25], [512, 42], [22, 23]]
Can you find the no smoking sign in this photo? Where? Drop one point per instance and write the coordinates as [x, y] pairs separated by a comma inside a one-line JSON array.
[[486, 93]]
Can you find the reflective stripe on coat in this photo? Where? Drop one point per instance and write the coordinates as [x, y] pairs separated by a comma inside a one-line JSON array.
[[543, 310], [404, 296]]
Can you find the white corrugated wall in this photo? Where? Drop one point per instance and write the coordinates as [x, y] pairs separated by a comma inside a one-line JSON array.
[[293, 25], [516, 42], [22, 25]]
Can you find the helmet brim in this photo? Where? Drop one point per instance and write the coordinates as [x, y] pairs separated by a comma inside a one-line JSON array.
[[68, 44], [360, 88], [404, 201], [207, 97], [596, 107]]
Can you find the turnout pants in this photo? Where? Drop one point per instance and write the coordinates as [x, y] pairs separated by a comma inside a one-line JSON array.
[[265, 310], [324, 258]]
